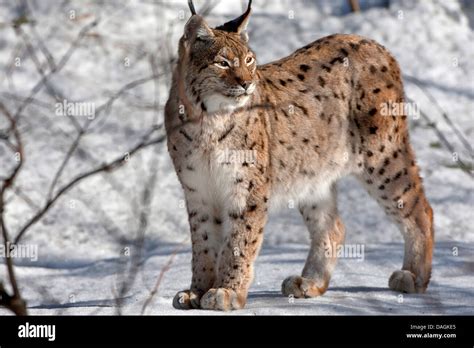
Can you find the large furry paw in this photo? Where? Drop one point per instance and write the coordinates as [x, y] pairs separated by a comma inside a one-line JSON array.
[[187, 299], [403, 281], [300, 287], [222, 299]]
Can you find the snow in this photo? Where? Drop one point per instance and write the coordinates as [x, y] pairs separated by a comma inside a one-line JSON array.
[[81, 241], [357, 287]]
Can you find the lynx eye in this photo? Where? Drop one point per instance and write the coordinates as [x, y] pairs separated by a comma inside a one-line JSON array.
[[249, 60], [223, 64]]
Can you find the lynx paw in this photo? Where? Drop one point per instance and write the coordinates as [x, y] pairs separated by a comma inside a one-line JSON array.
[[222, 299], [403, 281], [186, 299], [301, 287]]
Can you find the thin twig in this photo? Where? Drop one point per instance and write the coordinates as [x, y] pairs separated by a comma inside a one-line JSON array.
[[106, 107], [443, 113], [144, 214], [154, 70], [163, 271], [11, 65], [31, 51], [58, 68], [66, 159], [109, 167], [47, 54], [15, 303], [462, 165]]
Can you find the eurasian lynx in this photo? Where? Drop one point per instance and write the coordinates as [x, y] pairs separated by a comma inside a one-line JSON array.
[[242, 136]]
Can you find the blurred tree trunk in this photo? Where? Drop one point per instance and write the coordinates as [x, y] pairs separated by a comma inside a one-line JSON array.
[[355, 6]]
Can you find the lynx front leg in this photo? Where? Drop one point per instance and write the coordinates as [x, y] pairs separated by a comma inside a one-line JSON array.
[[206, 231], [326, 232], [240, 248]]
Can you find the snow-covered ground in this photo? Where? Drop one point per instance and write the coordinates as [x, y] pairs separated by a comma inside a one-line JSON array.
[[357, 288], [81, 241]]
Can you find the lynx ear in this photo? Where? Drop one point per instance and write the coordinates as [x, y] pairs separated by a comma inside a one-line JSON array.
[[197, 28], [239, 25]]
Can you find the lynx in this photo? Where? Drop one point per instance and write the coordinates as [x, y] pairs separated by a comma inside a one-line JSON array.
[[243, 137]]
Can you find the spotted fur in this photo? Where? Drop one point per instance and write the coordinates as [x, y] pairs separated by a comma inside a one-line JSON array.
[[309, 119]]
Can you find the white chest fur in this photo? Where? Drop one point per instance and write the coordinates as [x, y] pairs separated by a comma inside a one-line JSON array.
[[206, 169]]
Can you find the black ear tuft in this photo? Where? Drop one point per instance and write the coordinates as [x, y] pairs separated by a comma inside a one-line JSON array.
[[239, 24], [191, 7]]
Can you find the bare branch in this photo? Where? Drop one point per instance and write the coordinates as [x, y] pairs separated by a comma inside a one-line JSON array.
[[31, 51], [105, 168], [64, 163], [143, 218], [15, 303], [108, 105], [20, 193], [103, 108], [163, 271], [462, 165], [58, 67], [42, 46], [11, 65], [443, 113]]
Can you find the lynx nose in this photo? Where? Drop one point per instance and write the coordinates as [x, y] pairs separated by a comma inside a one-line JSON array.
[[246, 84]]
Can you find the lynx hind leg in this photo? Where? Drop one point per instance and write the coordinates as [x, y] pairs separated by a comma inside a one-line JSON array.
[[388, 169], [392, 178], [326, 232]]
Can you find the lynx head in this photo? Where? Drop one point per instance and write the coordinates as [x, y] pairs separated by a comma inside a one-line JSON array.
[[220, 72]]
